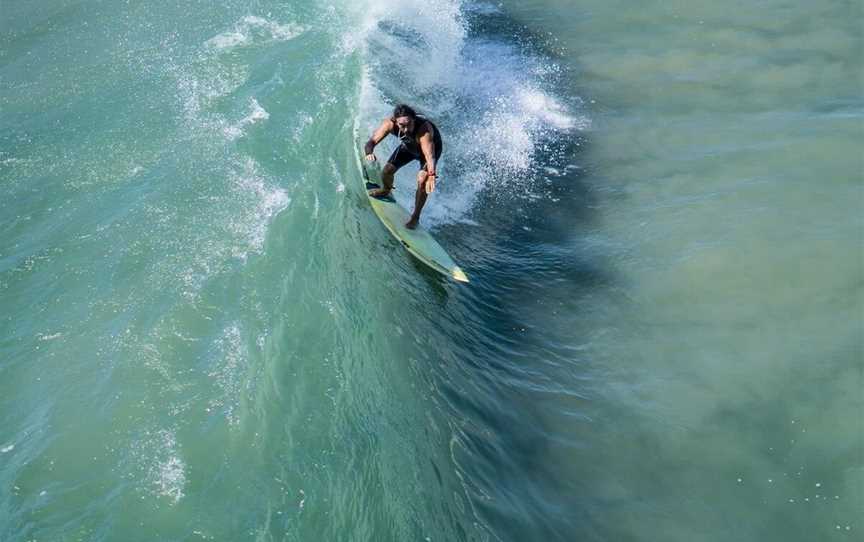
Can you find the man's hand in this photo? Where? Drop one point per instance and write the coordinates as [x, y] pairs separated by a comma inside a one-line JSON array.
[[430, 183], [370, 157]]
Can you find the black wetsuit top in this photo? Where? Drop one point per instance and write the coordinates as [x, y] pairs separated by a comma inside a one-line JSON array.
[[409, 149]]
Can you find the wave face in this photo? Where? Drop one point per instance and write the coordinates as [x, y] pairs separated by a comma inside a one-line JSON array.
[[206, 335]]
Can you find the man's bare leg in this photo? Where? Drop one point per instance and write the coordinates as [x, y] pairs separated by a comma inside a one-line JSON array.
[[419, 201], [387, 179]]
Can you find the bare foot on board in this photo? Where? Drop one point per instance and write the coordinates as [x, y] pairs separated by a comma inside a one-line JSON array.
[[379, 192]]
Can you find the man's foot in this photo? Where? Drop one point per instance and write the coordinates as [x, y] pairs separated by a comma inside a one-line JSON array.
[[380, 192], [412, 224]]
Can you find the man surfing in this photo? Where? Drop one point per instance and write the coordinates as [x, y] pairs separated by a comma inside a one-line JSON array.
[[420, 140]]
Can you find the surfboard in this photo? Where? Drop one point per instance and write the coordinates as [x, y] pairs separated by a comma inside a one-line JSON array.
[[418, 242]]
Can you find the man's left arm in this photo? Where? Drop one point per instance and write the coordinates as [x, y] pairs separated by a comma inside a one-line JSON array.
[[427, 145]]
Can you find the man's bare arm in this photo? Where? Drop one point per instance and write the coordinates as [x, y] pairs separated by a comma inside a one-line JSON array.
[[380, 134], [427, 145]]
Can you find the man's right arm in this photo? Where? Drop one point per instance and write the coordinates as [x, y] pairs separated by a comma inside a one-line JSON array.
[[376, 138]]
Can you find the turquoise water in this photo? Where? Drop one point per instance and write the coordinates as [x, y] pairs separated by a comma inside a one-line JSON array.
[[206, 335]]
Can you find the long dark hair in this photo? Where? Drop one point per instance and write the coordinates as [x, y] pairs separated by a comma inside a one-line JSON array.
[[403, 110]]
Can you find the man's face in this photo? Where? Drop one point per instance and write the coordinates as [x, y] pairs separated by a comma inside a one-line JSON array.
[[404, 125]]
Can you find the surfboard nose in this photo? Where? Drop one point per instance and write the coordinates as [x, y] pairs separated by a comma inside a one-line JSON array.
[[459, 275]]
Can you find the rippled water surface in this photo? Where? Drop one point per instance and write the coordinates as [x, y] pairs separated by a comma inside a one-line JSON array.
[[205, 334]]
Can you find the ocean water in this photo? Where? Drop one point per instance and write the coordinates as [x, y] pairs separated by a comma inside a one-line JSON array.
[[205, 334]]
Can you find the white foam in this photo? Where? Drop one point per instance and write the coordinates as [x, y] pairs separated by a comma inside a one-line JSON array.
[[227, 373], [266, 202], [202, 83], [304, 121], [543, 108], [239, 210], [164, 471], [172, 478], [484, 8], [252, 29], [492, 101], [280, 32], [228, 40], [6, 449], [207, 78], [256, 114], [13, 161]]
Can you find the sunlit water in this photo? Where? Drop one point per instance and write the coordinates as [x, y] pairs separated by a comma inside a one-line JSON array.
[[206, 335]]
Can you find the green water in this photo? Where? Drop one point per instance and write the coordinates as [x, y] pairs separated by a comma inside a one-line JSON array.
[[205, 334]]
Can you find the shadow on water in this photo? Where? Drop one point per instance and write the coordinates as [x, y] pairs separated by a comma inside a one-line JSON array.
[[510, 383], [437, 282], [515, 361], [500, 353]]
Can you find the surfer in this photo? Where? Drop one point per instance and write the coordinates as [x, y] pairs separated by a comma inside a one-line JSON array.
[[420, 140]]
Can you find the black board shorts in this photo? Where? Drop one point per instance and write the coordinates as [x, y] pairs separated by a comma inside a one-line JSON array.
[[402, 156]]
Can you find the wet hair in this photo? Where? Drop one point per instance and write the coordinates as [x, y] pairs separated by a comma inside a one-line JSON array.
[[403, 110]]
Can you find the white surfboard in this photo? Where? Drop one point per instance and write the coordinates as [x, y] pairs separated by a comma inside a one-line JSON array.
[[419, 242]]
